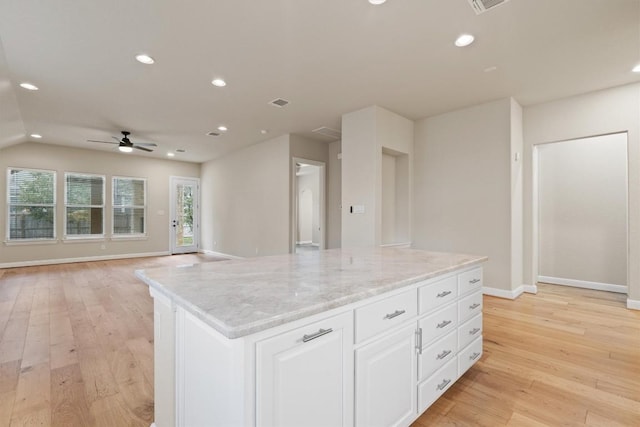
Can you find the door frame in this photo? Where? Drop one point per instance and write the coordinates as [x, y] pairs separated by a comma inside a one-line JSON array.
[[173, 181], [321, 202], [535, 216]]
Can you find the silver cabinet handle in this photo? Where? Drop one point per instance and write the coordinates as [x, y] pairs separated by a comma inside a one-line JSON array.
[[443, 294], [443, 384], [474, 281], [443, 324], [443, 354], [394, 314], [474, 331], [320, 333], [474, 306], [474, 356], [419, 340]]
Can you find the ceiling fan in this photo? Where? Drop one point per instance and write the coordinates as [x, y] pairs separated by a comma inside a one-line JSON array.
[[125, 145]]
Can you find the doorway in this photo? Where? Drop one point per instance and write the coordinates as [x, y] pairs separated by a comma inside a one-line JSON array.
[[580, 188], [184, 228], [308, 206]]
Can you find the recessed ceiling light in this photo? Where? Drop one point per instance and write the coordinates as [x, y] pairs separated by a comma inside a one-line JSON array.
[[222, 128], [490, 69], [464, 40], [218, 82], [125, 149], [171, 154], [36, 136], [377, 1], [145, 59], [28, 86], [636, 69], [264, 131]]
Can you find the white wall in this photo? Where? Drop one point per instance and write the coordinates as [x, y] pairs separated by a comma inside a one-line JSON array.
[[64, 159], [598, 113], [365, 133], [360, 177], [582, 201], [388, 199], [245, 200], [462, 186], [334, 196]]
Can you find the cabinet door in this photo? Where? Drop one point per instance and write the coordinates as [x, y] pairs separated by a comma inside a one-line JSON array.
[[385, 380], [302, 376]]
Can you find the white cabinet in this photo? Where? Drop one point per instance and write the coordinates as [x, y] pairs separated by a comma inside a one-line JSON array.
[[380, 361], [303, 376], [385, 380]]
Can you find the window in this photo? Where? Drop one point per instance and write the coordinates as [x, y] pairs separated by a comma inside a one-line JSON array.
[[129, 206], [32, 201], [84, 203]]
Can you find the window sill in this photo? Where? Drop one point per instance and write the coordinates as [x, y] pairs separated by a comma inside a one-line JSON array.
[[83, 239], [28, 242], [129, 237]]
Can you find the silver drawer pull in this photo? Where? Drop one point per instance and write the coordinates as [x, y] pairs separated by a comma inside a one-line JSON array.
[[443, 354], [443, 294], [474, 306], [443, 384], [474, 281], [443, 324], [320, 333], [395, 314], [474, 331], [474, 356]]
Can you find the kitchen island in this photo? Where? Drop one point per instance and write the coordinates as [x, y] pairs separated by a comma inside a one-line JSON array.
[[334, 338]]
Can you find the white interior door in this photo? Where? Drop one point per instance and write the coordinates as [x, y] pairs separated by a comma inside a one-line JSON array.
[[184, 226]]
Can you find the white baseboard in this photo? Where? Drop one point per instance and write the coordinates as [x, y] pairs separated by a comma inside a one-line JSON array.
[[621, 289], [633, 304], [81, 259], [530, 289], [502, 293], [303, 242], [220, 254]]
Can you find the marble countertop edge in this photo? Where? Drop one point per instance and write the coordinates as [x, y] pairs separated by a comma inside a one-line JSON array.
[[251, 327]]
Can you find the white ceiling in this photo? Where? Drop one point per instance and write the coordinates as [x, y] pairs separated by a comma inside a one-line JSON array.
[[327, 57]]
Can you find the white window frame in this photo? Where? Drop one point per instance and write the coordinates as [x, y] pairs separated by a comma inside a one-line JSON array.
[[67, 205], [114, 206], [53, 206]]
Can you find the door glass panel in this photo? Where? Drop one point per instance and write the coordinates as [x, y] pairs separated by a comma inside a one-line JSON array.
[[184, 215]]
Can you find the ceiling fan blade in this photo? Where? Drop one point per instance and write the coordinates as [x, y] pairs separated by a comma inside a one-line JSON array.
[[102, 142], [147, 144], [142, 148], [116, 138]]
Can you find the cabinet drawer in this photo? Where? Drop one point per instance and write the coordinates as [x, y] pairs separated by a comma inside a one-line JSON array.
[[469, 280], [437, 384], [470, 306], [439, 323], [469, 331], [437, 354], [382, 315], [437, 294], [469, 356]]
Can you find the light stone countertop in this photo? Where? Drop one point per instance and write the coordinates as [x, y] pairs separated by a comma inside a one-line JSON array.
[[241, 297]]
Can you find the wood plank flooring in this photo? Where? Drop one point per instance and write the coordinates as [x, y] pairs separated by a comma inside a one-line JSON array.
[[563, 357], [76, 343], [76, 349]]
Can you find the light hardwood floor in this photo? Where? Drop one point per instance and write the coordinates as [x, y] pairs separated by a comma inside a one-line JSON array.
[[76, 349]]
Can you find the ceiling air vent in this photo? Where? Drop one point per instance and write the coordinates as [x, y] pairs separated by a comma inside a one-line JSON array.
[[212, 133], [481, 6], [279, 102], [325, 131]]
